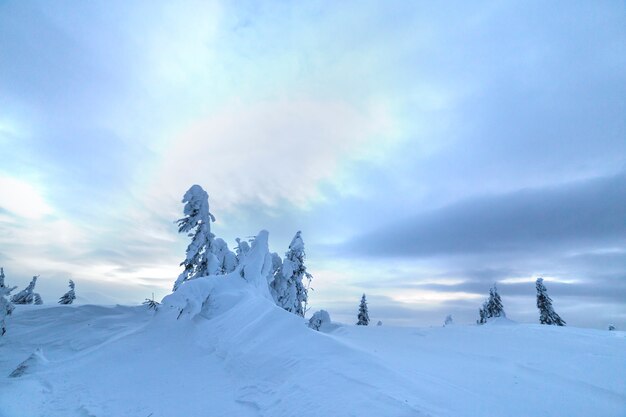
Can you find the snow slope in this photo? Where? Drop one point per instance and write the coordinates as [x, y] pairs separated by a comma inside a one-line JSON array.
[[237, 354]]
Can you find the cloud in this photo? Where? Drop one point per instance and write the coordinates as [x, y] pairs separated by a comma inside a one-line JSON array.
[[586, 213], [267, 152], [22, 198]]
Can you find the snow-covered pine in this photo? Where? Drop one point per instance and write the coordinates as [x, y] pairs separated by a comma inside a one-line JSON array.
[[492, 307], [482, 313], [363, 316], [6, 308], [27, 295], [200, 260], [547, 315], [611, 326], [70, 296], [290, 291], [495, 307], [380, 323], [448, 321]]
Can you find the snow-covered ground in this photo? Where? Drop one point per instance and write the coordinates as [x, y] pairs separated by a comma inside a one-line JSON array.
[[240, 355]]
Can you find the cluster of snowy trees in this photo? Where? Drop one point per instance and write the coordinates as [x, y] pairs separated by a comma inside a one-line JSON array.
[[26, 296], [493, 307], [288, 278]]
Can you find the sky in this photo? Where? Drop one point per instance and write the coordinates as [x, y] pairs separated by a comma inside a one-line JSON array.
[[426, 150]]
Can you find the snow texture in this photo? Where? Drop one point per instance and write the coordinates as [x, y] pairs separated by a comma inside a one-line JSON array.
[[245, 357]]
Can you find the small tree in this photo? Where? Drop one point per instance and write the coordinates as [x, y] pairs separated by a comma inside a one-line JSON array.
[[492, 307], [6, 308], [448, 321], [547, 315], [363, 316], [200, 260], [611, 327], [288, 287], [70, 296], [27, 295], [319, 319]]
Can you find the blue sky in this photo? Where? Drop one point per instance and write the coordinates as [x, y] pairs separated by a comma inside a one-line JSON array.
[[425, 150]]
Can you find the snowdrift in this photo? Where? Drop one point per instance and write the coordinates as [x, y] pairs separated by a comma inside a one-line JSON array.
[[219, 346]]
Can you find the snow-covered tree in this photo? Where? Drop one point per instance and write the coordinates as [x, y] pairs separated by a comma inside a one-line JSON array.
[[6, 308], [611, 326], [319, 319], [288, 287], [547, 315], [492, 307], [70, 296], [448, 321], [363, 316], [200, 259], [276, 280], [380, 323], [241, 250], [27, 295], [226, 258]]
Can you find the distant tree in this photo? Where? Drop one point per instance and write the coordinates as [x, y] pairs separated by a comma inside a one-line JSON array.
[[37, 299], [482, 312], [288, 286], [6, 308], [547, 315], [27, 295], [70, 296], [200, 260], [363, 316], [380, 323], [448, 321], [492, 307], [151, 303], [611, 327]]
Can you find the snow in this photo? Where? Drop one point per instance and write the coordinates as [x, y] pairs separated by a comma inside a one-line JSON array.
[[233, 352]]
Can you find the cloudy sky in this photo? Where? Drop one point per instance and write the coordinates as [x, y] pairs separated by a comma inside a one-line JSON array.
[[425, 150]]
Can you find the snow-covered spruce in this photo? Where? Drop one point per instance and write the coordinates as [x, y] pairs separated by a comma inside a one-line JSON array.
[[363, 316], [611, 327], [547, 315], [205, 255], [448, 321], [6, 308], [319, 319], [27, 295], [492, 307], [287, 287], [70, 296]]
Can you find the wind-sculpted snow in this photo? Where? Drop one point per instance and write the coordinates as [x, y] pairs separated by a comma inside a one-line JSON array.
[[219, 347]]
